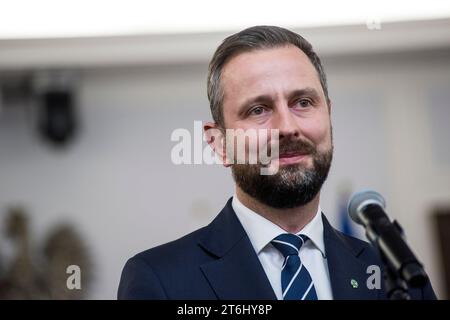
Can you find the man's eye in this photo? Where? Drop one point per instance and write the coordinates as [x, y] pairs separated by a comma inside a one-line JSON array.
[[304, 103], [257, 111]]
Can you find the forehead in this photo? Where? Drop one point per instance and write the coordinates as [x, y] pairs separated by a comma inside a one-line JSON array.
[[266, 71]]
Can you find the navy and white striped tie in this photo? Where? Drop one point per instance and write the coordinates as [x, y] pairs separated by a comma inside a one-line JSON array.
[[296, 282]]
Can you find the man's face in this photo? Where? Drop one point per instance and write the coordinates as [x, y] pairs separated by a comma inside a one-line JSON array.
[[279, 88]]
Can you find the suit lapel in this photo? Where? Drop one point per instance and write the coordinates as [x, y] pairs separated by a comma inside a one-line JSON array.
[[344, 266], [239, 275], [237, 272]]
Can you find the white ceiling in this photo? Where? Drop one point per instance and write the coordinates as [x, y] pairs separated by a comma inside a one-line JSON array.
[[93, 18]]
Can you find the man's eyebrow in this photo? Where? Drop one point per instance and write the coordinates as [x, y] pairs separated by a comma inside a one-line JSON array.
[[304, 92], [260, 98]]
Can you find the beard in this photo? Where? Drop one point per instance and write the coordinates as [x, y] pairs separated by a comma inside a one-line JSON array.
[[293, 185]]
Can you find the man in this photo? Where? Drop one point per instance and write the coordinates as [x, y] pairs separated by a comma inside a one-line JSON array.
[[271, 240]]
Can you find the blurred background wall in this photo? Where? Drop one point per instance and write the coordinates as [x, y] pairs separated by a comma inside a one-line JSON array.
[[116, 184]]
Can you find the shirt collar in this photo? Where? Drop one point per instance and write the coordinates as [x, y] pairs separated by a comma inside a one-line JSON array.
[[262, 231]]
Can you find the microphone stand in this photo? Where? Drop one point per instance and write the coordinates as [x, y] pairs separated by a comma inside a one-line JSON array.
[[396, 286]]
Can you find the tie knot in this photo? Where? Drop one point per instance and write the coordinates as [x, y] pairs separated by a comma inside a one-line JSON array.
[[289, 244]]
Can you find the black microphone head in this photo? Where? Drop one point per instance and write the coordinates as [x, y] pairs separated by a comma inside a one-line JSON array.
[[360, 199]]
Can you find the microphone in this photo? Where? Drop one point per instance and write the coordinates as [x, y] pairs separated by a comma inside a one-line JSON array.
[[367, 209]]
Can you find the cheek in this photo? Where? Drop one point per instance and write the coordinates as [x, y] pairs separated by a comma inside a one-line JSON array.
[[318, 131]]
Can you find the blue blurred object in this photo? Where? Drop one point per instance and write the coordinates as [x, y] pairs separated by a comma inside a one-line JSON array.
[[345, 222]]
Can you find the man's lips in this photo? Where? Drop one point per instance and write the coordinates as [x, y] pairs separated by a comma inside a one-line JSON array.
[[291, 157]]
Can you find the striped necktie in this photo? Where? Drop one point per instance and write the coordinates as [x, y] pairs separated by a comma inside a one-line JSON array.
[[296, 282]]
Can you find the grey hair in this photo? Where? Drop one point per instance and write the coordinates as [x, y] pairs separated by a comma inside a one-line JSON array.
[[254, 38]]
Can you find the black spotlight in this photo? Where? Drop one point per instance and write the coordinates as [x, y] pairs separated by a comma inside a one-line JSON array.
[[57, 118]]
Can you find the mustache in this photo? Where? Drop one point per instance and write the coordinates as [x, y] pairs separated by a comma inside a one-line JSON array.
[[296, 146]]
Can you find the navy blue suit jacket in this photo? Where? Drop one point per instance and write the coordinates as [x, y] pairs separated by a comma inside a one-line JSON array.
[[219, 262]]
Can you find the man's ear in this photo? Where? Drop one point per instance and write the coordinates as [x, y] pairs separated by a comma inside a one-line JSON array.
[[215, 136]]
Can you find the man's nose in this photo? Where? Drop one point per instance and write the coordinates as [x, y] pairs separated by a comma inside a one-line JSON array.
[[285, 121]]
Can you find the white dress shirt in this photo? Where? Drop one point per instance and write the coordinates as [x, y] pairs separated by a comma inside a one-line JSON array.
[[262, 231]]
